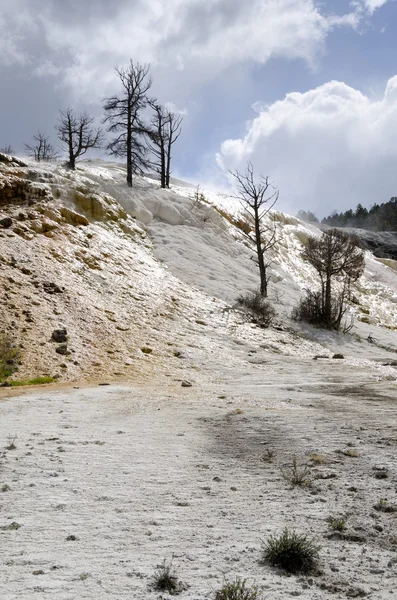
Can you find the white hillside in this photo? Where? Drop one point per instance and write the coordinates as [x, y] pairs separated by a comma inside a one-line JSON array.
[[182, 456], [135, 266]]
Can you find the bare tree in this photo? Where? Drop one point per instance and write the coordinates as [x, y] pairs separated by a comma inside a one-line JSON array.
[[336, 256], [78, 134], [7, 150], [157, 139], [257, 197], [164, 130], [41, 148], [173, 131], [123, 115]]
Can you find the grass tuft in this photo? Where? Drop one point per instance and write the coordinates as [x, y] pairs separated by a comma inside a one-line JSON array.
[[296, 475], [291, 551], [237, 590], [337, 523], [166, 580]]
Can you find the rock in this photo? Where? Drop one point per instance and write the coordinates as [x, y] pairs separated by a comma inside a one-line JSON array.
[[146, 350], [6, 222], [338, 356], [60, 336], [12, 527], [73, 218], [63, 350], [52, 288], [102, 208], [186, 384], [320, 356]]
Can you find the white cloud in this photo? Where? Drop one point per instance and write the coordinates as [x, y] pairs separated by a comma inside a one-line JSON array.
[[373, 5], [327, 148], [197, 37]]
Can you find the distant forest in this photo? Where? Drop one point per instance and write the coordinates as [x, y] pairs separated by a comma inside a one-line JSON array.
[[380, 217]]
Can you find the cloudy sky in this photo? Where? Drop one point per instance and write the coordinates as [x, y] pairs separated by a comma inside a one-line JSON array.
[[305, 89]]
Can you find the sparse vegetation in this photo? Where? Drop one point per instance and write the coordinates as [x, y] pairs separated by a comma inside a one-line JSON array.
[[239, 221], [11, 439], [336, 256], [267, 457], [34, 381], [291, 551], [295, 474], [165, 579], [237, 590], [10, 355], [383, 506], [318, 459], [257, 307], [337, 523]]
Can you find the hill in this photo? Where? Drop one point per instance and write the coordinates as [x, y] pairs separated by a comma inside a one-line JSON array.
[[124, 269]]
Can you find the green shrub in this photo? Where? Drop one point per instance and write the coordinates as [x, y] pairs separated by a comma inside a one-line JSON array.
[[296, 475], [291, 551], [337, 523], [237, 590], [9, 356]]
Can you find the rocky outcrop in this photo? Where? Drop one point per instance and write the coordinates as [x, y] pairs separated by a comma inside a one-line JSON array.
[[73, 217], [100, 208], [15, 190]]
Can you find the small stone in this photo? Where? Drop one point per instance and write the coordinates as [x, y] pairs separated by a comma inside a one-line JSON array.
[[146, 350], [6, 222], [12, 527], [38, 572], [186, 384], [339, 356], [60, 336], [63, 350]]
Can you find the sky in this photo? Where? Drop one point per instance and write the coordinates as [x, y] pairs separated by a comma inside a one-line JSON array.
[[304, 89]]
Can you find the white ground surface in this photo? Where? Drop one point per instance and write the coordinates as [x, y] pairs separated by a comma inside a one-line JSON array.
[[129, 469], [130, 472]]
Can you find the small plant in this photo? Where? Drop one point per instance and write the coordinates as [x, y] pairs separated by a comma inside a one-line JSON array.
[[337, 523], [296, 475], [383, 506], [9, 357], [198, 198], [257, 307], [166, 580], [11, 442], [291, 551], [267, 457], [237, 590], [318, 459]]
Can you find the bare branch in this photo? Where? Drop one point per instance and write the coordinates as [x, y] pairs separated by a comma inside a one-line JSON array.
[[257, 197]]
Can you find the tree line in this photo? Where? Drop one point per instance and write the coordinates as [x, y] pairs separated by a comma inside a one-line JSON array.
[[380, 217], [144, 144]]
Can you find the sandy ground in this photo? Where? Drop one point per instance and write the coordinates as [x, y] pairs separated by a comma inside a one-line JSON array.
[[143, 473]]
